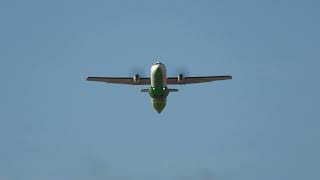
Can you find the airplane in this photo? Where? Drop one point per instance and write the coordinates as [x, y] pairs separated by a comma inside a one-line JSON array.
[[158, 82]]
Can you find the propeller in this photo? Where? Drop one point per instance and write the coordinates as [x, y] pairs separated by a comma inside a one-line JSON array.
[[137, 71], [181, 72]]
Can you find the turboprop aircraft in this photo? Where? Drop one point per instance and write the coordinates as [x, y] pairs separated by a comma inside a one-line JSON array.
[[158, 82]]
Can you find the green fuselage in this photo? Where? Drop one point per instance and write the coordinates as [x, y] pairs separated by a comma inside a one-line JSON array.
[[158, 90]]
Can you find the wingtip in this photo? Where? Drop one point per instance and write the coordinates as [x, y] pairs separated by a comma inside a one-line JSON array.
[[89, 79]]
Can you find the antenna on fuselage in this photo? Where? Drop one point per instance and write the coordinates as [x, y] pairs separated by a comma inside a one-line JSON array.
[[157, 59]]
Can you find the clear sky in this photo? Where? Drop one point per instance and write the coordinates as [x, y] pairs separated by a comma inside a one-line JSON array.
[[264, 124]]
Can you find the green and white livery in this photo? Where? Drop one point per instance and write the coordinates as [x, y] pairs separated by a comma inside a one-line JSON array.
[[158, 82]]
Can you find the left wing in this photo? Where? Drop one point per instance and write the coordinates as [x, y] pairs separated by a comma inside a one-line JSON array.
[[121, 80], [193, 80]]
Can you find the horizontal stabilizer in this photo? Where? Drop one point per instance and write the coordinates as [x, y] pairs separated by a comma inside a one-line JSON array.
[[173, 90], [170, 90]]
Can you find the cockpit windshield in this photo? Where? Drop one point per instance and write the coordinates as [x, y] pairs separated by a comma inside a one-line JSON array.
[[157, 63]]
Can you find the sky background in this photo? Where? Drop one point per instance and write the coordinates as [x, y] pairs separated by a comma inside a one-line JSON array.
[[264, 124]]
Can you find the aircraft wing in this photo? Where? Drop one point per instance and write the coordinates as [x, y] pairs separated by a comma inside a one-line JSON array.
[[121, 80], [198, 79]]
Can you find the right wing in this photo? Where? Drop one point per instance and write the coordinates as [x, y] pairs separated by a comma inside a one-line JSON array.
[[198, 79], [121, 80]]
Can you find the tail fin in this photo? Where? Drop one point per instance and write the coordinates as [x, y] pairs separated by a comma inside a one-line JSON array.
[[173, 90]]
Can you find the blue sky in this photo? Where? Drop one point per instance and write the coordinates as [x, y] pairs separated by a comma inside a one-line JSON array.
[[263, 124]]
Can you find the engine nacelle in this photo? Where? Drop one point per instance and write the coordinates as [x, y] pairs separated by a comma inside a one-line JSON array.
[[136, 79], [180, 78]]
